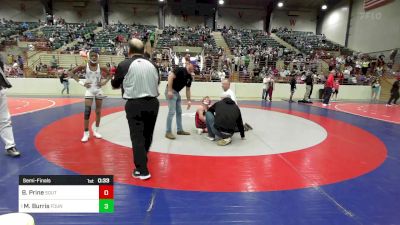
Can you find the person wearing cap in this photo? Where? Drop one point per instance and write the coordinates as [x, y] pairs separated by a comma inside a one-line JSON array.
[[222, 118], [6, 132], [200, 116], [177, 80], [394, 92]]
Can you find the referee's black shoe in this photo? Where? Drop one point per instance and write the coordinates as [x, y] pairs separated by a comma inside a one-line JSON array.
[[138, 175]]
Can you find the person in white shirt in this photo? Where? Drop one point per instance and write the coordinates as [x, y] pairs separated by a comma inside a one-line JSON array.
[[265, 88], [226, 85]]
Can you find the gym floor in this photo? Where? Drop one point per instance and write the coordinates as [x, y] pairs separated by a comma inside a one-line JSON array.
[[301, 164]]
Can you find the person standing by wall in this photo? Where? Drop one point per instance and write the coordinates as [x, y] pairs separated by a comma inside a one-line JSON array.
[[271, 87], [394, 92], [65, 82], [265, 88], [376, 89], [139, 80], [329, 84], [177, 80], [309, 81], [292, 87], [336, 86], [6, 132]]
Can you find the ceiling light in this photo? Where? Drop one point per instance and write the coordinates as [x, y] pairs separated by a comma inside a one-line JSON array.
[[280, 4], [221, 2], [324, 7]]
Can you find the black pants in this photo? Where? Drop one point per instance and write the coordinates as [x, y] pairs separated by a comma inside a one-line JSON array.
[[309, 96], [327, 94], [141, 115], [394, 96]]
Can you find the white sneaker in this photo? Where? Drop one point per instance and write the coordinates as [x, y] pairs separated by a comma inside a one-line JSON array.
[[199, 131], [210, 138], [86, 136], [96, 133], [324, 105], [388, 104]]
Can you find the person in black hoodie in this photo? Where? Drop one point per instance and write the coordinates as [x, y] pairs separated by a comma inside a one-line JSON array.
[[6, 132], [222, 118], [292, 87], [394, 92], [309, 87]]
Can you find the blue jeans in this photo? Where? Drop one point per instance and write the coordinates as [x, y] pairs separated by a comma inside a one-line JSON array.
[[66, 87], [212, 132], [174, 106]]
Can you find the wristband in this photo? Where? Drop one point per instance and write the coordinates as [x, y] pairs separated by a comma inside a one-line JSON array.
[[81, 83]]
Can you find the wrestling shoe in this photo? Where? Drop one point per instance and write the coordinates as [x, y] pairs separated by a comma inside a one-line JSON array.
[[86, 136], [210, 138], [199, 131], [136, 174], [96, 133], [13, 152]]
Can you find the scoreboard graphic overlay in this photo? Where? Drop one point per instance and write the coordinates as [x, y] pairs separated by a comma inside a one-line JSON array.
[[66, 194]]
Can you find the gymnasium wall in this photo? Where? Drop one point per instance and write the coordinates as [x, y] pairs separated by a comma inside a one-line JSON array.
[[179, 21], [375, 30], [133, 13], [71, 14], [22, 11], [306, 21], [334, 24], [244, 91], [241, 18]]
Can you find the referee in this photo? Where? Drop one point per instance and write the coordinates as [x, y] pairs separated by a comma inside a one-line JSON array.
[[6, 132], [139, 80]]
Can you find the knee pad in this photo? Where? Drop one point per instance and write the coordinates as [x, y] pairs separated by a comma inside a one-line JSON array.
[[88, 110]]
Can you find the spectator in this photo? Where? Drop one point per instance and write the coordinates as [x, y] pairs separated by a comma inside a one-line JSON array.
[[292, 87], [376, 88], [53, 62], [394, 92], [329, 85], [222, 118]]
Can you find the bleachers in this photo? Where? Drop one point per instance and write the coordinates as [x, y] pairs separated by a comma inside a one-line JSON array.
[[62, 34], [183, 36], [308, 42], [8, 29], [102, 39]]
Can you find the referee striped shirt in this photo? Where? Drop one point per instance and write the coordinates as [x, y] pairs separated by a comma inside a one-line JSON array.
[[138, 78]]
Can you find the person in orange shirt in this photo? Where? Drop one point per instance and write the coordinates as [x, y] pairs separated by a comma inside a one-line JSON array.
[[329, 85]]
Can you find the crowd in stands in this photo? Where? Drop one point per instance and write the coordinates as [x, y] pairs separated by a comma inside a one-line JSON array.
[[186, 36], [252, 54], [112, 39]]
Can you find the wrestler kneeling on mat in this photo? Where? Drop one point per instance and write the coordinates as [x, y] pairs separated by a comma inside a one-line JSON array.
[[222, 118], [93, 83], [200, 117]]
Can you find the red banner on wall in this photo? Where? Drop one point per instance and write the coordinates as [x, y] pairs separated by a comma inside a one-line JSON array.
[[372, 4]]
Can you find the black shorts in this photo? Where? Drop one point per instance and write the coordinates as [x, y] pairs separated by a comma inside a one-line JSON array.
[[336, 92]]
